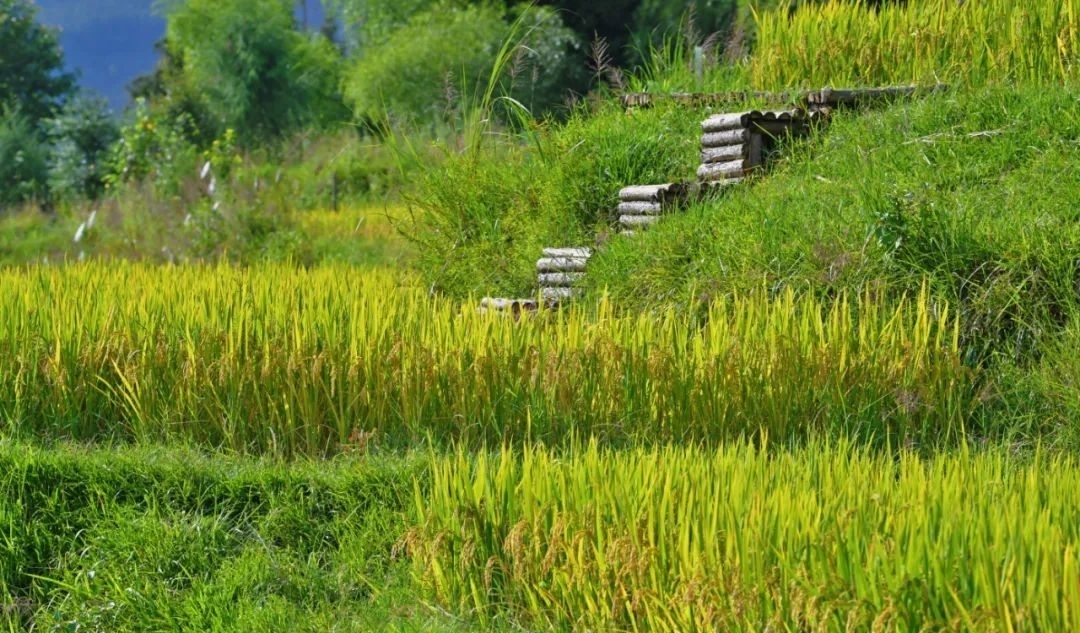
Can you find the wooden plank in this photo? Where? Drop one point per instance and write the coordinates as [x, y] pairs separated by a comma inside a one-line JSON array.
[[548, 280], [579, 252], [725, 153], [561, 264], [636, 207], [723, 122], [727, 137], [720, 171], [638, 221]]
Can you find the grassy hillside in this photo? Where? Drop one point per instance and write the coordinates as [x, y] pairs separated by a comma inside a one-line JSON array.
[[841, 397]]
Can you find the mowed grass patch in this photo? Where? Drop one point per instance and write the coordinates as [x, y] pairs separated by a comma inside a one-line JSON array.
[[828, 537], [284, 361]]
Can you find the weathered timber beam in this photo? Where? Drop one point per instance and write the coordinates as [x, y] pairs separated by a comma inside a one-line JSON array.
[[726, 137], [720, 171]]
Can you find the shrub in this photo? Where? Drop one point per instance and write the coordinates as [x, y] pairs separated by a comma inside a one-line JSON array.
[[430, 71], [82, 136]]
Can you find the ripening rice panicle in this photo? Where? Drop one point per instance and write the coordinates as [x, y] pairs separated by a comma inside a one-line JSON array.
[[923, 41], [300, 361], [827, 537]]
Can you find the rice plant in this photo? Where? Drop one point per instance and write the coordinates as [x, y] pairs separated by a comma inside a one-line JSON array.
[[831, 537], [925, 41], [286, 361]]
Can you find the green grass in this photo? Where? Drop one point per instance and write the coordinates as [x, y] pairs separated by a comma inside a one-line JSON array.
[[970, 190], [155, 538]]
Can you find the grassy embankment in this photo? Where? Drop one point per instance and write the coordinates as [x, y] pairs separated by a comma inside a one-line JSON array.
[[911, 496]]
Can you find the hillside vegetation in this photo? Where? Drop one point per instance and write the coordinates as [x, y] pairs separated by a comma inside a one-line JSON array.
[[842, 396]]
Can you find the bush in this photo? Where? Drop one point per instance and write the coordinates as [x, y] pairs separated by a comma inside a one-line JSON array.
[[82, 137], [432, 70], [416, 75], [154, 148]]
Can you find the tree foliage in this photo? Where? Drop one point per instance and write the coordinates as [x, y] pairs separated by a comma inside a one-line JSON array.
[[32, 76], [81, 137], [23, 159], [255, 72]]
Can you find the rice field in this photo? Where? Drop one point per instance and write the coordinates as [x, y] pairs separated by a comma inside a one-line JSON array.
[[275, 360], [841, 43], [828, 537]]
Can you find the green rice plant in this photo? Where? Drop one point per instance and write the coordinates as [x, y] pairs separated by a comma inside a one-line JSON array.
[[829, 537], [286, 361], [925, 41]]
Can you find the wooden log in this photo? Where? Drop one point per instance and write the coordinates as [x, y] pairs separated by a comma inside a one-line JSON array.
[[725, 153], [653, 193], [831, 97], [727, 137], [778, 115], [549, 280], [512, 306], [721, 171], [724, 122], [555, 295], [638, 221], [756, 154], [636, 207], [645, 99], [713, 188], [579, 252], [561, 264]]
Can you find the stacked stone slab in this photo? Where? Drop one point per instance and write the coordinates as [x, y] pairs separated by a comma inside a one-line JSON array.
[[559, 271], [642, 205]]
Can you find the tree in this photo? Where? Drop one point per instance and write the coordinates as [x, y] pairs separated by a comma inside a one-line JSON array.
[[23, 159], [32, 77], [255, 71]]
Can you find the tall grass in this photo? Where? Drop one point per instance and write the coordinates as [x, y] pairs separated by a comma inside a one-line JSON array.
[[852, 43], [285, 361], [827, 538]]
